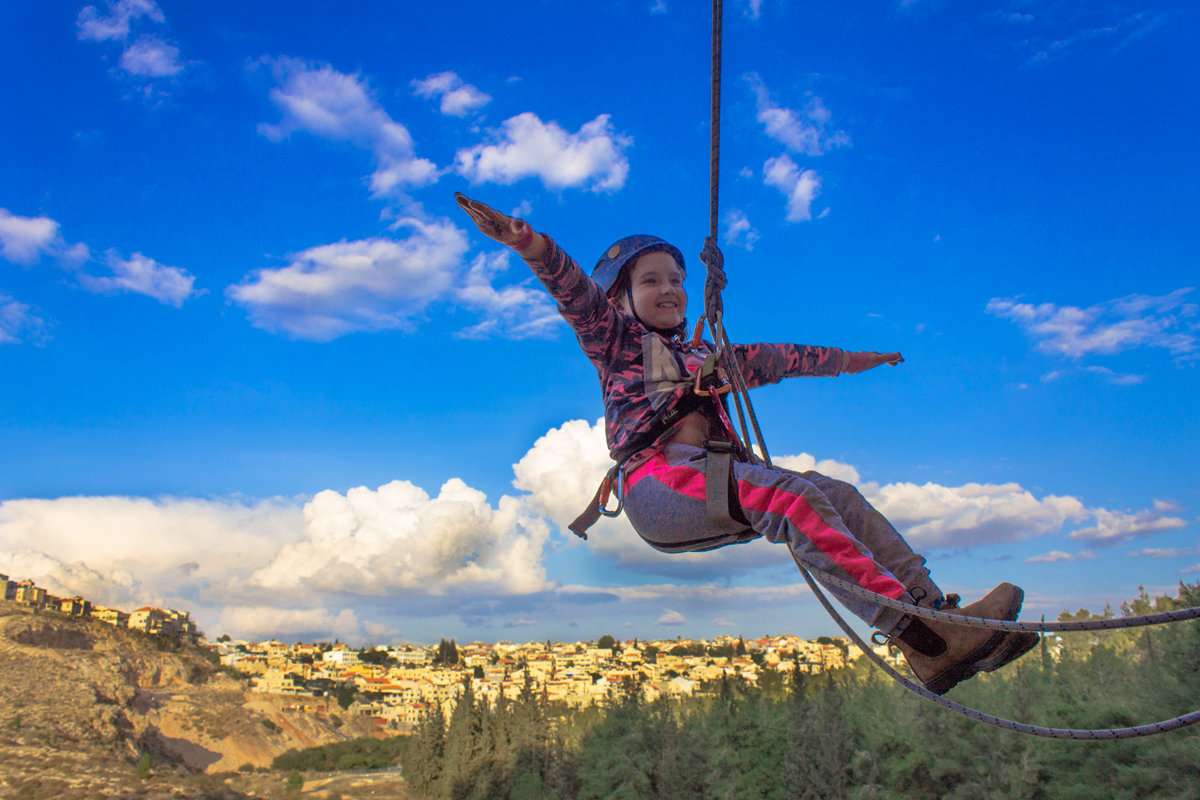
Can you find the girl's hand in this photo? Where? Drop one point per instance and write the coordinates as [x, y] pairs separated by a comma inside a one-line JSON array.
[[861, 362], [515, 233]]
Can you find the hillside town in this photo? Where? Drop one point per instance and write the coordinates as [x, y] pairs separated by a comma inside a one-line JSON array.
[[395, 686], [154, 621]]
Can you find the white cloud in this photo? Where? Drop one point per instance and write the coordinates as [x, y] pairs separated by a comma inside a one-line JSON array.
[[23, 240], [115, 25], [263, 622], [365, 285], [150, 57], [135, 550], [341, 107], [457, 98], [753, 8], [1165, 552], [142, 275], [1118, 526], [804, 131], [1106, 328], [1057, 556], [523, 311], [398, 539], [526, 147], [672, 618], [1116, 378], [931, 515], [17, 321], [826, 466], [739, 231], [799, 186], [658, 7]]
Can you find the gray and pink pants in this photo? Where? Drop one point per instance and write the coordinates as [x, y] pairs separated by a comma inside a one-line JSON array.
[[826, 523]]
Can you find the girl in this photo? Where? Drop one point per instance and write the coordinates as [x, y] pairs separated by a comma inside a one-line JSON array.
[[688, 485]]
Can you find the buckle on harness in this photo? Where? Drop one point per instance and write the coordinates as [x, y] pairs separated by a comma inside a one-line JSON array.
[[708, 376]]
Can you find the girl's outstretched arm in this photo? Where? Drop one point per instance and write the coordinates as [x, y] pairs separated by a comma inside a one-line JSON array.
[[515, 233]]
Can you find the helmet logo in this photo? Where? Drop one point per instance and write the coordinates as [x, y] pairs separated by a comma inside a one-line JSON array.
[[614, 251]]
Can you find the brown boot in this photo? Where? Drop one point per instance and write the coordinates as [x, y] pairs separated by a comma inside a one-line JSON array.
[[1015, 644], [941, 654]]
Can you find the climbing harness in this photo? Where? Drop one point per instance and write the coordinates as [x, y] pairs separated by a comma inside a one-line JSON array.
[[726, 357]]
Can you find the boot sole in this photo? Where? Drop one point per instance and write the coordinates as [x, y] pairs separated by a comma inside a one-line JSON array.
[[1018, 644], [989, 653]]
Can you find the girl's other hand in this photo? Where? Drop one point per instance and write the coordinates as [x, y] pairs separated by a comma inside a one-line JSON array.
[[515, 233], [853, 362]]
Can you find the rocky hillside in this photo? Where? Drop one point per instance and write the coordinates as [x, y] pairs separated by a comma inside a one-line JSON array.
[[81, 701]]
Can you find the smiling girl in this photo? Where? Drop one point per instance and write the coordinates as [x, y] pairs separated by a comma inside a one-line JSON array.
[[686, 482]]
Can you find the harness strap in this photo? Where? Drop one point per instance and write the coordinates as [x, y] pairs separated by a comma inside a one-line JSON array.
[[723, 512]]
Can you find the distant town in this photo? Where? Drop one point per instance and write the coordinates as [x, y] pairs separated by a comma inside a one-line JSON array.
[[397, 685], [155, 621]]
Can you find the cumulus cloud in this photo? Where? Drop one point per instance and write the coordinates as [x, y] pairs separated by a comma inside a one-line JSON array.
[[24, 240], [365, 285], [1165, 552], [799, 186], [1168, 322], [931, 515], [1113, 527], [317, 99], [151, 57], [114, 25], [739, 231], [397, 539], [18, 321], [1057, 556], [264, 622], [807, 131], [522, 311], [457, 99], [148, 56], [141, 275], [133, 550], [526, 147], [672, 618]]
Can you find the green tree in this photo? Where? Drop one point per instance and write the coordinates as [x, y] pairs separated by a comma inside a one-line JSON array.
[[295, 782], [145, 766]]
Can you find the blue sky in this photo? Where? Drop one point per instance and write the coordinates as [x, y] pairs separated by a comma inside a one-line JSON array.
[[257, 365]]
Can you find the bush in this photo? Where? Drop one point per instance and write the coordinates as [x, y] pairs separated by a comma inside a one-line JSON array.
[[145, 766], [295, 782]]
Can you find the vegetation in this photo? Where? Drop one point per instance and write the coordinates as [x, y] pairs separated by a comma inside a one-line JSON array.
[[363, 753], [447, 654], [847, 734], [145, 766]]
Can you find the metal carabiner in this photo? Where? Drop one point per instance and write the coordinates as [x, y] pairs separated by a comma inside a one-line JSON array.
[[606, 488]]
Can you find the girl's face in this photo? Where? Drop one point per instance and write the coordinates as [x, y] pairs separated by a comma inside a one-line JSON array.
[[656, 282]]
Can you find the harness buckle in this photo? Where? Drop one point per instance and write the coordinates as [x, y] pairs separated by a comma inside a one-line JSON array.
[[708, 375]]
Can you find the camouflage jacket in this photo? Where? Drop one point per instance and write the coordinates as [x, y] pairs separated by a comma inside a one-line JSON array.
[[642, 372]]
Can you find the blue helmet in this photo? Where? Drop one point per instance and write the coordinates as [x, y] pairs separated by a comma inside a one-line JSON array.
[[610, 266]]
